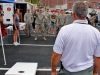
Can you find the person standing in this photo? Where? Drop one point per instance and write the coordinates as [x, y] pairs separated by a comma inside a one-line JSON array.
[[61, 21], [40, 25], [16, 26], [98, 14], [53, 20], [77, 45], [34, 17], [92, 19], [28, 18], [47, 20]]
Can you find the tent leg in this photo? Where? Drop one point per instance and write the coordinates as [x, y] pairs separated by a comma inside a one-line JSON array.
[[19, 37], [2, 47]]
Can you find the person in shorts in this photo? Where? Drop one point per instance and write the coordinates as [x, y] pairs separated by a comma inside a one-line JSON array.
[[16, 27], [53, 18]]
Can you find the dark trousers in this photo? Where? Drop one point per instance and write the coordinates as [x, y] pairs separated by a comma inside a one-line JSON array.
[[33, 24], [58, 29]]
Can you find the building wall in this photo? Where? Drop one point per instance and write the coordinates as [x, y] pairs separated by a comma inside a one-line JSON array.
[[91, 3], [70, 3], [51, 3], [94, 0]]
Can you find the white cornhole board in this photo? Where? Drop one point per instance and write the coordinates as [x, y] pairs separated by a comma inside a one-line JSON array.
[[23, 68]]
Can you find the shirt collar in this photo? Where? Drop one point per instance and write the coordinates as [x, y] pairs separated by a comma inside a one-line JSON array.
[[81, 21]]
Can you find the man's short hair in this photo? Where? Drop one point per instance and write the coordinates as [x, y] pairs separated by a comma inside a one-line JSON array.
[[62, 10], [80, 9], [28, 9]]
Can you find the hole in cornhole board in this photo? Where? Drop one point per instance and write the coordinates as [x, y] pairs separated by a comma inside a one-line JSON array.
[[21, 72]]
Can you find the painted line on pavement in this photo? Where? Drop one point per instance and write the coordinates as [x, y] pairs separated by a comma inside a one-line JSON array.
[[37, 69], [33, 35], [28, 45]]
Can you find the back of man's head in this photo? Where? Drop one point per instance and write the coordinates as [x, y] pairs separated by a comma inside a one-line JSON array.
[[80, 9]]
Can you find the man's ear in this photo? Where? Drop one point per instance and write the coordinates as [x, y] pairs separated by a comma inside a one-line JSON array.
[[74, 15]]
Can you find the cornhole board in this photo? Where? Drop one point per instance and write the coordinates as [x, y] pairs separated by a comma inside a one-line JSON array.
[[23, 68]]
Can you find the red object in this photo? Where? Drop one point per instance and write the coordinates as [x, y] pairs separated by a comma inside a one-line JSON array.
[[0, 9], [54, 10], [4, 32], [37, 10]]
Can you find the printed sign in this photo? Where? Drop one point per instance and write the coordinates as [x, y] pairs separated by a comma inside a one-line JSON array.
[[8, 9]]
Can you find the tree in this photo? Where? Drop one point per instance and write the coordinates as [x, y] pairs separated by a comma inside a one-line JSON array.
[[83, 0], [33, 1]]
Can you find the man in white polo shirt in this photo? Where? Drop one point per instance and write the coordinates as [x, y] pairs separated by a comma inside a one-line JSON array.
[[77, 45]]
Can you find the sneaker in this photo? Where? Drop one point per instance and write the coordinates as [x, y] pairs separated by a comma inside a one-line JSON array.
[[48, 32], [15, 43], [35, 38], [34, 31], [44, 39], [53, 33]]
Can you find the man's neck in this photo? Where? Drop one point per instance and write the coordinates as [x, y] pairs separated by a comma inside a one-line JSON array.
[[80, 19], [62, 13]]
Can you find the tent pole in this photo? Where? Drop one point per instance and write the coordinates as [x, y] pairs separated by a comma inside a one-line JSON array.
[[2, 46]]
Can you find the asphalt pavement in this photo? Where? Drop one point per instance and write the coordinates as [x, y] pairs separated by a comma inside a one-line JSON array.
[[29, 51]]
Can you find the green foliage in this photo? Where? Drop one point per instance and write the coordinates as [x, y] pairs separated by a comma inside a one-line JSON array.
[[33, 1], [36, 2], [84, 0], [27, 0]]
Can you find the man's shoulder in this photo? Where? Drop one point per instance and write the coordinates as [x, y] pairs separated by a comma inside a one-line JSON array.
[[26, 13], [94, 29], [30, 13], [41, 14], [60, 15]]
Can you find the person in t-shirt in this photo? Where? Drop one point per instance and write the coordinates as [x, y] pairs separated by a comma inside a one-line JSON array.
[[53, 19]]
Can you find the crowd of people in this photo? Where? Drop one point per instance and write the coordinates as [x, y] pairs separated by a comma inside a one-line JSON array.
[[39, 21], [45, 22], [77, 45]]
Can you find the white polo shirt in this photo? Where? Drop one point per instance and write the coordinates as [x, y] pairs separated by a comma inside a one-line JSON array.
[[77, 43]]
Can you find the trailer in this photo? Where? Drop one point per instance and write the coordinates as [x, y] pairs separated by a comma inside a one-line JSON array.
[[9, 8]]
